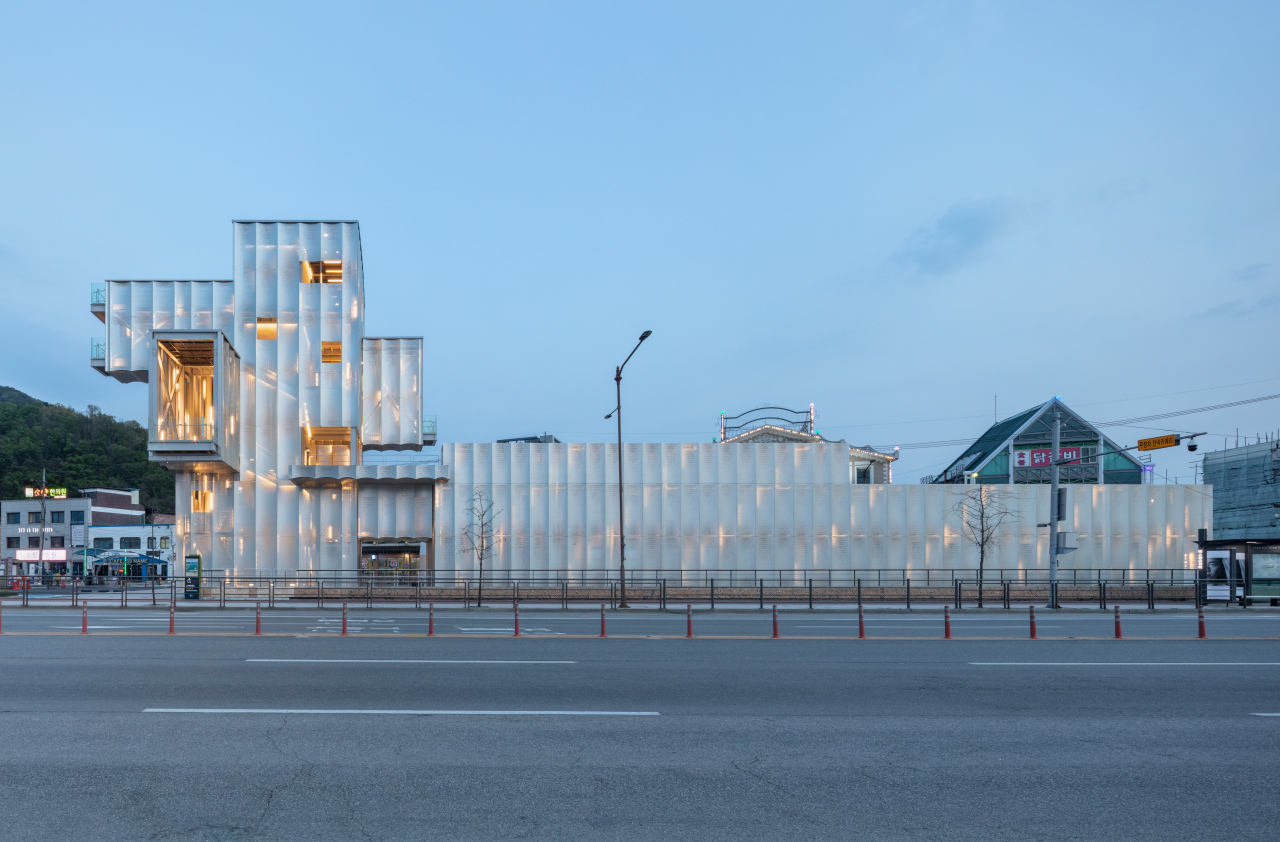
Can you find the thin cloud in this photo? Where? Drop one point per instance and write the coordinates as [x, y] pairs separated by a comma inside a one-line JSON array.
[[956, 238], [1237, 309], [1253, 272]]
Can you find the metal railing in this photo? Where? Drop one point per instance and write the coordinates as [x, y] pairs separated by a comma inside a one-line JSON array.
[[97, 293], [196, 431], [98, 348], [328, 459], [423, 587]]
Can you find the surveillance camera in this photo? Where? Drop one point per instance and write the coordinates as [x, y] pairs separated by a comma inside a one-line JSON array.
[[1192, 447]]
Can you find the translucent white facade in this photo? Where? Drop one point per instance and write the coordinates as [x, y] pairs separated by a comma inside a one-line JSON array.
[[778, 507]]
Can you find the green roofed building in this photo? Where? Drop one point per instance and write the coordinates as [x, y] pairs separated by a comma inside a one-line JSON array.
[[1017, 450]]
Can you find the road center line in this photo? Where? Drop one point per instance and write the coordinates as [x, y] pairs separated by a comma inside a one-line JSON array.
[[384, 661], [414, 712]]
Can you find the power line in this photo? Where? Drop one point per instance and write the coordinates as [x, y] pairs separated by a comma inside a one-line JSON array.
[[1126, 422], [1163, 415]]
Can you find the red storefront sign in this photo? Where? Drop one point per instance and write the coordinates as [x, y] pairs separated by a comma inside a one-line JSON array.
[[1041, 458]]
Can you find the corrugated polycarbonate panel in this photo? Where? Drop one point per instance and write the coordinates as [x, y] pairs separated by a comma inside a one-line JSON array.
[[163, 304], [182, 305], [392, 414], [815, 521], [140, 321]]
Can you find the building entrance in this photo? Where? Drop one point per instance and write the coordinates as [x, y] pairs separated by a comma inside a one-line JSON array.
[[398, 563]]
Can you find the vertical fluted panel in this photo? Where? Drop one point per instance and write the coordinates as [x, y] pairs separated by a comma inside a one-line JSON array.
[[223, 315], [331, 330], [373, 387], [410, 394], [599, 548], [119, 345], [330, 528], [389, 389], [202, 304], [182, 304], [162, 306], [422, 510], [308, 529], [309, 338], [352, 324], [140, 321]]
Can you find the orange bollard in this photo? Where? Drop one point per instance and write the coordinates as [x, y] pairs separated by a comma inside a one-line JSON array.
[[862, 625], [775, 621], [1203, 636], [1033, 622], [1118, 622], [431, 620], [946, 620], [344, 618], [688, 611], [602, 634], [257, 627]]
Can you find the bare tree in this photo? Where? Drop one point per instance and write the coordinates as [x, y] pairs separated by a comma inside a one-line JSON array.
[[982, 510], [477, 535]]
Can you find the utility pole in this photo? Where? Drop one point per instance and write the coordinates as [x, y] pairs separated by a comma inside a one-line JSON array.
[[1053, 506]]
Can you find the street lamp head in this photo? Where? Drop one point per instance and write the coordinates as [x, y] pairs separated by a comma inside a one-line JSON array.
[[646, 335]]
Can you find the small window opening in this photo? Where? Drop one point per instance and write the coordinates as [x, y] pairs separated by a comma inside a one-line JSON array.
[[266, 328], [330, 352], [321, 272]]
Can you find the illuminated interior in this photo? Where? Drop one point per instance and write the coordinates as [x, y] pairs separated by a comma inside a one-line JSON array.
[[185, 395], [330, 352], [266, 328], [326, 446], [322, 271]]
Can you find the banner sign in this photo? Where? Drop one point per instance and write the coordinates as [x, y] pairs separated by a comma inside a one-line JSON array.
[[1041, 458], [49, 555]]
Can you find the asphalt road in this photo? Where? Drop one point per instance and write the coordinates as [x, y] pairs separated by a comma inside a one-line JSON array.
[[141, 736]]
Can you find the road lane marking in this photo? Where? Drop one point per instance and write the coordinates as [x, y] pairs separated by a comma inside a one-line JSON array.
[[1018, 626], [1125, 663], [384, 661], [414, 712], [1266, 714]]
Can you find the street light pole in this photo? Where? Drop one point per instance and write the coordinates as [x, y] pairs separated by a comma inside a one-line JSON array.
[[1054, 459], [622, 534]]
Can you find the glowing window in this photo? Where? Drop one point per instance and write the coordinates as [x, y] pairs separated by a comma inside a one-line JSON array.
[[266, 328], [321, 272], [330, 352]]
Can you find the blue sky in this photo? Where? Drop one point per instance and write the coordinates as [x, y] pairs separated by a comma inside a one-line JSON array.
[[894, 211]]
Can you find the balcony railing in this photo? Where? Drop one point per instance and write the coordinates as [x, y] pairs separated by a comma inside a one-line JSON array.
[[428, 425], [97, 348], [97, 293], [327, 459], [196, 431]]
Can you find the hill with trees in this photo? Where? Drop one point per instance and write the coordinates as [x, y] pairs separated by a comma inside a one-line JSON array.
[[77, 450]]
